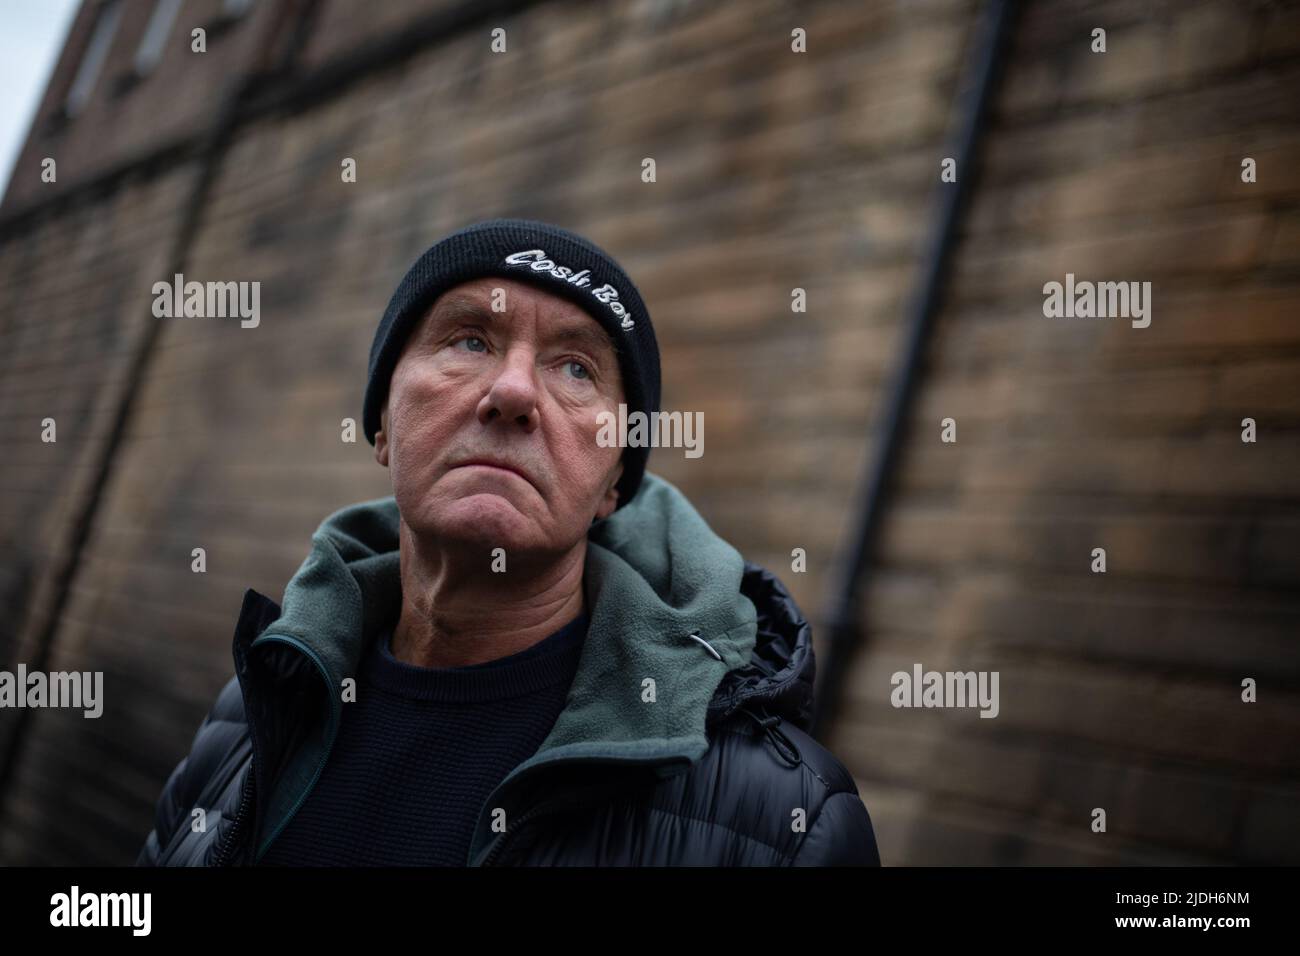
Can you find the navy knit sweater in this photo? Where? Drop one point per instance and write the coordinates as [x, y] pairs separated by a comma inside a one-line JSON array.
[[419, 752]]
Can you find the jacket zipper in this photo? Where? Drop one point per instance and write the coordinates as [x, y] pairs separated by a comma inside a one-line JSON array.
[[505, 838], [226, 850], [333, 729], [591, 795]]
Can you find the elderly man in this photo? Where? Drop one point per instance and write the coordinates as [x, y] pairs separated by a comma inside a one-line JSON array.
[[534, 652]]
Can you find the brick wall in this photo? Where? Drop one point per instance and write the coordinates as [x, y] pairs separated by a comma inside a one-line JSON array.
[[1118, 690]]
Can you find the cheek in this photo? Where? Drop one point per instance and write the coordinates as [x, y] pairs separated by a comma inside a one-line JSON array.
[[426, 382], [583, 461], [420, 413]]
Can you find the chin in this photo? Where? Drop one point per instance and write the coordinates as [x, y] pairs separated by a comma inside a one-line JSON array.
[[487, 519]]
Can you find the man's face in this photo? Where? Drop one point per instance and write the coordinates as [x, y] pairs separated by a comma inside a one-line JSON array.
[[521, 388]]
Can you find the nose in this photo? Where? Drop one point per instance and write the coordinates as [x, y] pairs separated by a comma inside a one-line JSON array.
[[512, 395]]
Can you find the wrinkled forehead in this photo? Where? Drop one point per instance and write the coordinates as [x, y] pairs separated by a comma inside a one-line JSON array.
[[473, 302]]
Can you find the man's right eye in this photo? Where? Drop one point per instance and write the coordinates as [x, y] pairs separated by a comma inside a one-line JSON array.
[[480, 345]]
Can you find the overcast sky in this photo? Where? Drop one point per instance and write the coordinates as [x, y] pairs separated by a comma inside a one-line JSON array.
[[31, 36]]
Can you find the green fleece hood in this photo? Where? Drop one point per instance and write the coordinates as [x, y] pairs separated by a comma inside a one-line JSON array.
[[655, 575]]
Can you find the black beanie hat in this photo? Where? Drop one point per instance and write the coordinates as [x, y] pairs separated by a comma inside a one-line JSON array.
[[553, 259]]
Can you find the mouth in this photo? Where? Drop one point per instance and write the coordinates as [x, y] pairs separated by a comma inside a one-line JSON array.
[[493, 466]]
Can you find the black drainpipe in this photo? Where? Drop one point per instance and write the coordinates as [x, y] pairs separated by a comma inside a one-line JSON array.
[[846, 611]]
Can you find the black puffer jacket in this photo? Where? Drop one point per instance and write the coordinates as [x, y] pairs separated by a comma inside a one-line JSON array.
[[721, 771]]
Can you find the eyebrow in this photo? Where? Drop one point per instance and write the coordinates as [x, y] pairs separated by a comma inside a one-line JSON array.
[[597, 341], [460, 309]]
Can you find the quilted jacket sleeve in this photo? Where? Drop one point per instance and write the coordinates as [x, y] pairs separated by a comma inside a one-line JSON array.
[[840, 835], [187, 780]]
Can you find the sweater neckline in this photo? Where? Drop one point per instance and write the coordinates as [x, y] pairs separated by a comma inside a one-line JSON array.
[[546, 663]]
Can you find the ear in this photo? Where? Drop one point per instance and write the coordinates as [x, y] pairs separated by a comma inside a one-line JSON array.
[[610, 499], [381, 438]]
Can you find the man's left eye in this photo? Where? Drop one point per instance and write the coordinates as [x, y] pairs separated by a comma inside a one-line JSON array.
[[582, 369]]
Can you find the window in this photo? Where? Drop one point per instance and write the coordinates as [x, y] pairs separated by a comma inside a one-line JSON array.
[[92, 60], [155, 35]]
